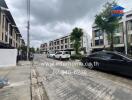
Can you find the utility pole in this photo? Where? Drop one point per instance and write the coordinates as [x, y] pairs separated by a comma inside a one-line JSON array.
[[28, 28]]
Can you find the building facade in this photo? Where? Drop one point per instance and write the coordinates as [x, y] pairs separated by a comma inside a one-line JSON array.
[[100, 39], [65, 44], [10, 36], [44, 48]]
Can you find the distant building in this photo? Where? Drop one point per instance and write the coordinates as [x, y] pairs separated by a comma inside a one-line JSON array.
[[64, 44], [100, 40], [44, 48], [10, 36]]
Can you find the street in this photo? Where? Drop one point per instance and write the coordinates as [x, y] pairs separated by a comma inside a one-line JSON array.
[[74, 82]]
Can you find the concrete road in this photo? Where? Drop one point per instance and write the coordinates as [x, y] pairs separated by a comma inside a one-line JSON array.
[[19, 78], [65, 80]]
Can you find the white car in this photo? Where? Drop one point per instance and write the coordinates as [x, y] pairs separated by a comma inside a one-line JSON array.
[[62, 55], [51, 55]]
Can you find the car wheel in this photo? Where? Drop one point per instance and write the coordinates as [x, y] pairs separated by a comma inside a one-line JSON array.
[[60, 58], [53, 57]]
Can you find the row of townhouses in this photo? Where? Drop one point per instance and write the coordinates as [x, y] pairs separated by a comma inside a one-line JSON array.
[[64, 44], [10, 36], [100, 40]]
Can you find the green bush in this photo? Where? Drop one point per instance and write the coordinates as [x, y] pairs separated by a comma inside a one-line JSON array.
[[76, 56]]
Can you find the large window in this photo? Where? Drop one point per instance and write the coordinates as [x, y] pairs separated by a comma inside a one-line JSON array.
[[61, 41], [98, 33], [119, 29], [58, 47], [129, 25], [58, 42], [99, 42], [65, 40], [117, 40]]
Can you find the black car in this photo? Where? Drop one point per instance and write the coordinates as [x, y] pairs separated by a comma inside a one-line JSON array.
[[109, 61]]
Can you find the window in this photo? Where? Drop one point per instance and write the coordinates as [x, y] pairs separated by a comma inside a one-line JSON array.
[[66, 52], [65, 40], [61, 41], [116, 57], [129, 25], [98, 33], [59, 53], [65, 46], [58, 47], [119, 28], [117, 40], [99, 42], [57, 42], [61, 47], [71, 46]]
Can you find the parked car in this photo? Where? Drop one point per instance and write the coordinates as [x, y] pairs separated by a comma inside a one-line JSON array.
[[50, 54], [109, 61], [62, 55]]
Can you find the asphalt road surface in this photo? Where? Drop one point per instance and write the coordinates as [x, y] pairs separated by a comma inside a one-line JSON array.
[[68, 80]]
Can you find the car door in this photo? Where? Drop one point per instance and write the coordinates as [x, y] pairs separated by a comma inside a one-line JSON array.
[[58, 55], [66, 54], [116, 63], [97, 60]]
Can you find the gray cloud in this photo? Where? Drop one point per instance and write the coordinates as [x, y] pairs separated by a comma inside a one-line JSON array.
[[53, 18]]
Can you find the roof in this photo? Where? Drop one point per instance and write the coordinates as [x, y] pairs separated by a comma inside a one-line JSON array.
[[3, 4], [8, 13]]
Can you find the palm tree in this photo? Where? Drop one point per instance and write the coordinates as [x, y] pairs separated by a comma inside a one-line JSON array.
[[76, 36], [107, 23]]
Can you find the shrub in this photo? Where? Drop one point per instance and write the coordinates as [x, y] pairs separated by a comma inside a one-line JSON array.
[[76, 56]]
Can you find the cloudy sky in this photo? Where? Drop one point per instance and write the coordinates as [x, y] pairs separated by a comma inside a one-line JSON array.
[[54, 18]]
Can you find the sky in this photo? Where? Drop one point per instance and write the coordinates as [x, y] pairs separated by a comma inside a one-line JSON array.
[[51, 19]]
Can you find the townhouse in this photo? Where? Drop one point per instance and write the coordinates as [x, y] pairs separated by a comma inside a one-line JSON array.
[[44, 47], [65, 44], [10, 36], [100, 39]]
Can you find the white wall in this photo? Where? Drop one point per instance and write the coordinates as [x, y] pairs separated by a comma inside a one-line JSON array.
[[8, 57], [87, 42]]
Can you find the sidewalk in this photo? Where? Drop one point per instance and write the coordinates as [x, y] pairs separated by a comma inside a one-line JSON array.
[[19, 78]]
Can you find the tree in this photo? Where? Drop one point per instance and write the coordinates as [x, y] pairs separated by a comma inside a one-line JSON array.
[[76, 36], [37, 50], [32, 49], [107, 23]]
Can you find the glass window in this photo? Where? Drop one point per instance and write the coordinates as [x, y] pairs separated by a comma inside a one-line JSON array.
[[61, 41], [99, 42], [59, 53], [65, 46], [61, 47], [116, 57], [129, 25], [119, 28], [65, 40], [98, 33], [117, 40]]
